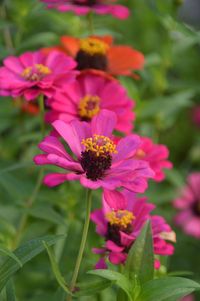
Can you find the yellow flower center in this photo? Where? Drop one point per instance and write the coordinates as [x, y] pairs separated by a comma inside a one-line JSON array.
[[121, 218], [100, 145], [36, 72], [93, 46], [89, 106]]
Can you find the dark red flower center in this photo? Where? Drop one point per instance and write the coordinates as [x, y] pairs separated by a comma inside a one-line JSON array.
[[196, 208], [97, 157], [120, 220], [85, 2], [92, 54]]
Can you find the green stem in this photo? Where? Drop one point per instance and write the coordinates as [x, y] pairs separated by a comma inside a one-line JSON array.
[[6, 30], [83, 242], [32, 198], [42, 124], [29, 204], [90, 22]]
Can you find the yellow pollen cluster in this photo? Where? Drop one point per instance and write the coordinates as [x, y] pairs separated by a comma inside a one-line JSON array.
[[89, 106], [93, 46], [100, 145], [36, 72], [121, 218]]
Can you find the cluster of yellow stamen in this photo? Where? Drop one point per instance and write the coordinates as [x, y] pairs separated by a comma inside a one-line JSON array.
[[36, 72], [93, 46], [100, 145], [89, 106], [121, 218]]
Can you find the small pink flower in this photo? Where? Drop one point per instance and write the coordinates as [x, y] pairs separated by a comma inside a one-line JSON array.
[[189, 205], [83, 7], [196, 115], [86, 97], [188, 298], [120, 221], [34, 73], [96, 160], [156, 155]]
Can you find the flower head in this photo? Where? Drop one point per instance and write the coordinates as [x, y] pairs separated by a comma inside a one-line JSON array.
[[120, 221], [96, 52], [96, 160], [83, 7], [189, 205], [156, 155], [196, 115], [34, 73], [87, 96]]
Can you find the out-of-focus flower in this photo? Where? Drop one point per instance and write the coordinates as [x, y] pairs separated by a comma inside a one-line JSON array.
[[196, 115], [34, 73], [96, 160], [86, 97], [156, 155], [83, 7], [188, 298], [27, 107], [120, 221], [98, 52], [189, 205]]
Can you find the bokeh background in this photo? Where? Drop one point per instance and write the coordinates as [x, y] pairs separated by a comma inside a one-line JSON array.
[[167, 32]]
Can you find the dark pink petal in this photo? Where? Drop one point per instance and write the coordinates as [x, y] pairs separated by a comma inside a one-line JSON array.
[[55, 179]]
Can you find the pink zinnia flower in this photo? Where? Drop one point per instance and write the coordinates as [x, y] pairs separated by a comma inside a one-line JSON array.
[[86, 97], [189, 205], [120, 221], [196, 115], [83, 7], [34, 73], [188, 298], [156, 155], [96, 161]]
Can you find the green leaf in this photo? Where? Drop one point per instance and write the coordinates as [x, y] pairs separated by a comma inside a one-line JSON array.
[[92, 287], [168, 288], [7, 252], [24, 253], [10, 291], [140, 261], [120, 280], [46, 213], [55, 268], [121, 296]]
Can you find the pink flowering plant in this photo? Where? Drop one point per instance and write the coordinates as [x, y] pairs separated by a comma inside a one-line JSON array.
[[91, 179]]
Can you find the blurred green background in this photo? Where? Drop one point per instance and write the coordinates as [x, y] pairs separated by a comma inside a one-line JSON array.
[[165, 96]]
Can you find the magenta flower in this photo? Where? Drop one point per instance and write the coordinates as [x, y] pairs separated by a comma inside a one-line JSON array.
[[86, 97], [156, 155], [96, 160], [34, 73], [196, 115], [120, 221], [189, 205], [83, 7]]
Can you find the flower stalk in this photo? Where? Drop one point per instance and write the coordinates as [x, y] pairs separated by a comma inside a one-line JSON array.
[[83, 242]]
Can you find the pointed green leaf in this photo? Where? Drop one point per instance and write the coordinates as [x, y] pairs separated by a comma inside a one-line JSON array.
[[121, 296], [92, 287], [140, 261], [55, 268], [10, 291], [168, 288], [24, 253], [46, 213], [7, 252], [120, 280]]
